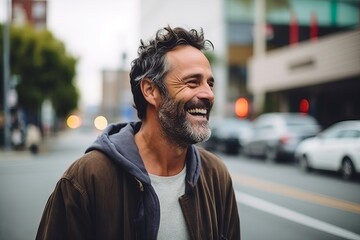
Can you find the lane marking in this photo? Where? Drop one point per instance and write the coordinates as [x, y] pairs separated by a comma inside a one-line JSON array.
[[296, 193], [288, 214]]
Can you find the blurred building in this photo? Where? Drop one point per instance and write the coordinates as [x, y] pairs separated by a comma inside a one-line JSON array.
[[32, 12], [288, 25], [324, 75], [316, 64], [117, 99]]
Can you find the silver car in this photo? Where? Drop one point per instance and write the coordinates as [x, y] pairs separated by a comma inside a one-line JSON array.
[[276, 135]]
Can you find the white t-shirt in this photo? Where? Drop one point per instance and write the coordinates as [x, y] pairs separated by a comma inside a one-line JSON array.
[[168, 190]]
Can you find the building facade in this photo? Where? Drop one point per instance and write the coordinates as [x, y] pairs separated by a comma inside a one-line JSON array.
[[33, 12], [117, 100], [325, 74]]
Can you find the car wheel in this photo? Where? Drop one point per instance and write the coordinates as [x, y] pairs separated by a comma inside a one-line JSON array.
[[271, 154], [347, 169], [304, 163]]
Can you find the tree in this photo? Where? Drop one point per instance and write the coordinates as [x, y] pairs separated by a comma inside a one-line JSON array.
[[44, 68]]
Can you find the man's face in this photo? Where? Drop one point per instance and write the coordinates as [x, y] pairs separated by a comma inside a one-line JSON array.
[[184, 110]]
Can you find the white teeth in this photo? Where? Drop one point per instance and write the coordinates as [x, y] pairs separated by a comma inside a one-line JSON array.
[[197, 111]]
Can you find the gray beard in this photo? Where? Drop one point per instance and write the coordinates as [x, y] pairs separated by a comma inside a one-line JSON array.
[[176, 128]]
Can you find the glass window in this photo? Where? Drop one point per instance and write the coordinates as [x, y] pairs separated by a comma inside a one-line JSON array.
[[349, 134], [39, 10]]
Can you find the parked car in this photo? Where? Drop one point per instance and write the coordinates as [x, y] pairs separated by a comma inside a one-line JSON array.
[[228, 135], [276, 135], [336, 149]]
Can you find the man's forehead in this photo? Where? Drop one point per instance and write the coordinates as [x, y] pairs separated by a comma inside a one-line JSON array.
[[186, 56]]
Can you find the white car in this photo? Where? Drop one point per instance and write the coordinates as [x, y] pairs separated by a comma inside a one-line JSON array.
[[336, 149]]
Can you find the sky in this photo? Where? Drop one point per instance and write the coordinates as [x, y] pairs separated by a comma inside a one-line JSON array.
[[97, 32]]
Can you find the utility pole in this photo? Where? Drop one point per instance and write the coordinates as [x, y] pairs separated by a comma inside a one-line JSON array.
[[259, 28], [259, 46], [6, 63]]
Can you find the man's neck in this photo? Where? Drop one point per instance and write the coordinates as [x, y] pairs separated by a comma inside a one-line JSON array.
[[160, 156]]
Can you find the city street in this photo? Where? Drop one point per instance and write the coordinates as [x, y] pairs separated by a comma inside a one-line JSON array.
[[26, 182], [278, 201], [275, 200]]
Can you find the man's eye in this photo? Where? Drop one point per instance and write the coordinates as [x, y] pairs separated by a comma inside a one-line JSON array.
[[193, 83]]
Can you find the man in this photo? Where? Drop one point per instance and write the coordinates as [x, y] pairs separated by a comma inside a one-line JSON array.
[[147, 180]]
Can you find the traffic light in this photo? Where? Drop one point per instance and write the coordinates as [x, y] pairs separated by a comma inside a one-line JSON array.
[[242, 107], [304, 105]]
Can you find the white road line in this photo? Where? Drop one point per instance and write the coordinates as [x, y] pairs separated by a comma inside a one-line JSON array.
[[280, 211]]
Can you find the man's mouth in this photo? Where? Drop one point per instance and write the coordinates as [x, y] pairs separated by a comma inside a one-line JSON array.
[[202, 112], [199, 109]]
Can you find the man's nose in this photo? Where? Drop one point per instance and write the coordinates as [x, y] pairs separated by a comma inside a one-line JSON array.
[[206, 92]]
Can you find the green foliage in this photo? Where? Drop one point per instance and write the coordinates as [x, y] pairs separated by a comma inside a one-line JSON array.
[[63, 99], [44, 68]]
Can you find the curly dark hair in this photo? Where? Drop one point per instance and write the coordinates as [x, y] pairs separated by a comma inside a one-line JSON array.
[[151, 62]]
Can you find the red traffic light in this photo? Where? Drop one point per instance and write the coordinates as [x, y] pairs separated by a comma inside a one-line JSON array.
[[242, 107], [304, 105]]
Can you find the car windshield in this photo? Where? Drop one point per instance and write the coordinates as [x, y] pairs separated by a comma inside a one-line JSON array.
[[342, 129], [301, 123]]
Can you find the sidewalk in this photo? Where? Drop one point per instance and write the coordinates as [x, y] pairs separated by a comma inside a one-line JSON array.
[[70, 138], [25, 153]]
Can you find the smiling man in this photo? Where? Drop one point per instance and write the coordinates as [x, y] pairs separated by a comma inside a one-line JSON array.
[[147, 179]]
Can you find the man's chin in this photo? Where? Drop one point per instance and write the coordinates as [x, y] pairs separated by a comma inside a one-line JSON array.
[[195, 120], [201, 134]]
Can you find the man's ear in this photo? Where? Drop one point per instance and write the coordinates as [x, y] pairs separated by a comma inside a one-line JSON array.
[[149, 91]]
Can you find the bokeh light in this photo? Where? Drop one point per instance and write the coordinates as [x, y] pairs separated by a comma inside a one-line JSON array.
[[73, 121], [100, 122], [242, 107], [304, 106]]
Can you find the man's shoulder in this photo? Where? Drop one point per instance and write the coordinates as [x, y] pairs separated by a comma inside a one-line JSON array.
[[91, 159], [91, 164], [211, 161], [214, 173]]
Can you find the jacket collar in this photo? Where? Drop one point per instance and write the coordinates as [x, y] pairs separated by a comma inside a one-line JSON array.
[[117, 141]]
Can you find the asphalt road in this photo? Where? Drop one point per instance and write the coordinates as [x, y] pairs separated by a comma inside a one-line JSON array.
[[26, 182], [276, 201]]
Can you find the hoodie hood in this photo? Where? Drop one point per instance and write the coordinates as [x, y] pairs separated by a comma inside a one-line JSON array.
[[117, 142]]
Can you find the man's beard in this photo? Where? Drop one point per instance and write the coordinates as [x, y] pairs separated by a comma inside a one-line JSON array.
[[177, 128]]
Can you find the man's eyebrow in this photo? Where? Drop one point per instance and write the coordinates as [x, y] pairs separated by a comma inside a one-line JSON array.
[[192, 75]]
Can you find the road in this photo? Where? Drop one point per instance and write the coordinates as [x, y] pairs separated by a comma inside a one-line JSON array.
[[278, 201], [275, 201], [26, 182]]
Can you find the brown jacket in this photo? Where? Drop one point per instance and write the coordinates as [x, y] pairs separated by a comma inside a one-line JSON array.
[[98, 199]]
